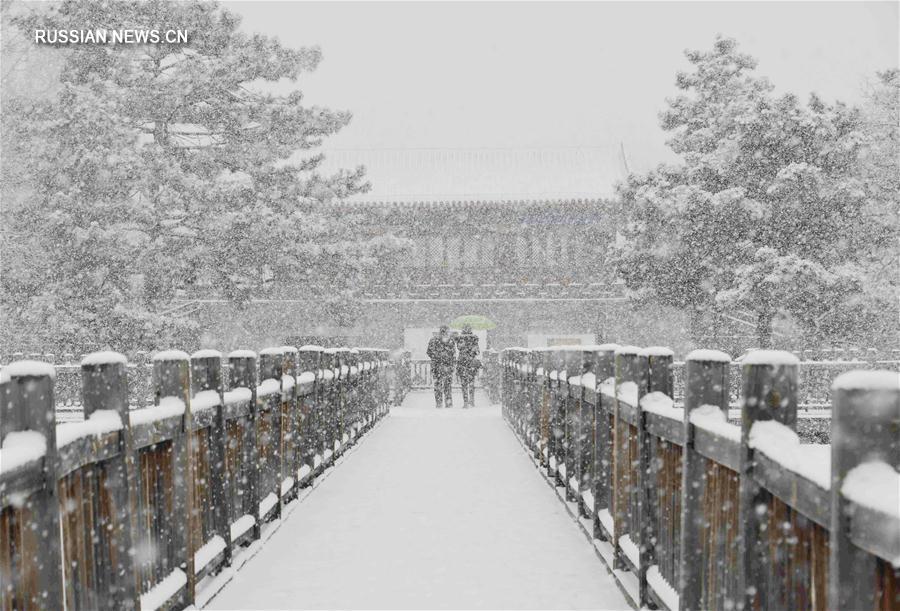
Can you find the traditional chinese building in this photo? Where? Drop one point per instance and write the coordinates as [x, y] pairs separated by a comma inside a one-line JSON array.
[[535, 268]]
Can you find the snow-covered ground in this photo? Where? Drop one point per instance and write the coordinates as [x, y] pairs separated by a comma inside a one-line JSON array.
[[435, 509]]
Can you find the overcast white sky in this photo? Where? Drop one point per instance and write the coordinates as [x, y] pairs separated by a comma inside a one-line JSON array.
[[517, 99]]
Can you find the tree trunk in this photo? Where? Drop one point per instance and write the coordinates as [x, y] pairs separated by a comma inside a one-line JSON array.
[[764, 328]]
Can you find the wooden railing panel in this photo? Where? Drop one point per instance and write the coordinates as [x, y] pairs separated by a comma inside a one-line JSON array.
[[666, 474], [156, 554], [719, 563], [797, 547], [18, 554]]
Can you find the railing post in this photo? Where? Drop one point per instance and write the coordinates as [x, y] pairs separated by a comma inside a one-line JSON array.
[[769, 393], [535, 394], [30, 407], [206, 376], [654, 374], [865, 430], [505, 383], [171, 380], [557, 416], [343, 398], [604, 369], [104, 384], [270, 367], [243, 375], [310, 359], [325, 383], [502, 382], [626, 371], [706, 382], [586, 437], [332, 398], [520, 420], [294, 437], [574, 369], [357, 379], [542, 391]]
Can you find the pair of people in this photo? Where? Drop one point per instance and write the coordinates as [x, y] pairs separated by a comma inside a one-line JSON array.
[[442, 350]]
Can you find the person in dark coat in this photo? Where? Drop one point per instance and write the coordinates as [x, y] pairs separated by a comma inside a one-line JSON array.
[[442, 352], [467, 364]]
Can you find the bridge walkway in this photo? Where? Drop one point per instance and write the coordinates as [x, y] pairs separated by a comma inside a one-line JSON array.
[[433, 509]]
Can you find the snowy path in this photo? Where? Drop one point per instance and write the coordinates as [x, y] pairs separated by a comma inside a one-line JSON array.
[[433, 509]]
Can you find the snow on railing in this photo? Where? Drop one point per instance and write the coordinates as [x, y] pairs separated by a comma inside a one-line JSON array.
[[665, 479], [198, 448]]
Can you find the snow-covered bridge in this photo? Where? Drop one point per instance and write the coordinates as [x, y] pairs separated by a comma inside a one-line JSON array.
[[292, 490], [435, 509]]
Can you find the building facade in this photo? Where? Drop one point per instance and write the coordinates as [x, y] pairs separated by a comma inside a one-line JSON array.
[[537, 269]]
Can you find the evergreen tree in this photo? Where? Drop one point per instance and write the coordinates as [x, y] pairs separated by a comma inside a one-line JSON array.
[[164, 167], [766, 212]]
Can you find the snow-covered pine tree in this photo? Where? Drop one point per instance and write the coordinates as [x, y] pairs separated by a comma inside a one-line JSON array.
[[765, 214], [880, 160], [166, 167]]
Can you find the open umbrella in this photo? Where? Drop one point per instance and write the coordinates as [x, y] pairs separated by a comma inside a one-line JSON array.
[[473, 320]]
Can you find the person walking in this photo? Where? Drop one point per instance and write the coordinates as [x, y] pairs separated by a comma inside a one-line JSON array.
[[467, 364], [442, 353]]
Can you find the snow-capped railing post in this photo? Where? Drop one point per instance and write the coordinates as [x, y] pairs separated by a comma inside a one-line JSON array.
[[557, 416], [7, 420], [309, 361], [171, 382], [380, 378], [528, 401], [294, 437], [536, 396], [518, 407], [508, 371], [367, 390], [391, 369], [865, 455], [706, 383], [515, 405], [769, 393], [30, 410], [521, 419], [504, 383], [626, 377], [104, 386], [329, 392], [522, 406], [354, 393], [243, 375], [604, 369], [335, 399], [541, 361], [270, 368], [571, 397], [206, 377], [512, 401], [654, 374], [586, 439], [342, 403]]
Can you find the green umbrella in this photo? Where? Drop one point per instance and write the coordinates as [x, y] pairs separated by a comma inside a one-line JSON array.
[[473, 320]]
